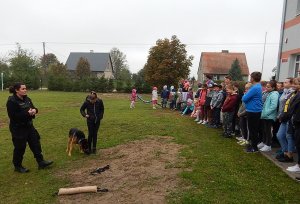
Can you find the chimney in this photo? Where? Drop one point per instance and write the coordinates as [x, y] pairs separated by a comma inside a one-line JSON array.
[[91, 51], [225, 51]]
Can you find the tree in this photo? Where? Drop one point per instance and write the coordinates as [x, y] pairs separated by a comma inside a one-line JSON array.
[[45, 62], [235, 71], [167, 63], [48, 59], [24, 68], [83, 68], [119, 63], [58, 79]]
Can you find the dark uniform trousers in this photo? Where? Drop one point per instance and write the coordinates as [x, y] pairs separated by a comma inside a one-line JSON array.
[[93, 128], [22, 135]]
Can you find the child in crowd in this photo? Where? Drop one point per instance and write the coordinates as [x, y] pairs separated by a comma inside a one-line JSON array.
[[268, 116], [215, 106], [188, 108], [242, 115], [164, 96], [209, 95], [179, 99], [202, 97], [228, 109], [286, 130], [195, 113], [172, 97], [190, 94], [154, 97], [133, 98]]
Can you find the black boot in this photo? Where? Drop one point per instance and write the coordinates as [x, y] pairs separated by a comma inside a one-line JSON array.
[[94, 151], [43, 164], [21, 169]]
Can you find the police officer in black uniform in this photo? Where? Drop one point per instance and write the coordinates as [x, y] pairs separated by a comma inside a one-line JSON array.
[[21, 111], [92, 109]]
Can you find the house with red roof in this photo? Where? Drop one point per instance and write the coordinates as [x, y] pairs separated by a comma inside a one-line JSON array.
[[218, 64]]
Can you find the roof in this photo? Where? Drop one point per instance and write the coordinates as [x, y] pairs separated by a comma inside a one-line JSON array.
[[98, 61], [220, 62]]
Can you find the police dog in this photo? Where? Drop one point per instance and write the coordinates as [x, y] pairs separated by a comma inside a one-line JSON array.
[[77, 137]]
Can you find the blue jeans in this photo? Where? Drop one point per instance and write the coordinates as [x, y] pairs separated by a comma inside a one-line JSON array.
[[286, 140]]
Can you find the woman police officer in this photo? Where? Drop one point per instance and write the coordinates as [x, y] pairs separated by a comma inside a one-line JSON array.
[[21, 111]]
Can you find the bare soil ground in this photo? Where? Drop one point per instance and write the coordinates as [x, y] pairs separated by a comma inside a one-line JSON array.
[[143, 171]]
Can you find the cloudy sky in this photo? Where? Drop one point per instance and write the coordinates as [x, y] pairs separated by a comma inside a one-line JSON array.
[[133, 26]]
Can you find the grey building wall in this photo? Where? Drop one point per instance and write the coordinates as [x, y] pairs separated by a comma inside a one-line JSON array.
[[291, 9], [292, 35]]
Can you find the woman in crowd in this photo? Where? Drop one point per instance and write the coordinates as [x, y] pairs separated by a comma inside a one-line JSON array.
[[253, 103]]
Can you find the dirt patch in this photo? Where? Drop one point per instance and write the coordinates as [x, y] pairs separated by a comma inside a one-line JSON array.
[[142, 171]]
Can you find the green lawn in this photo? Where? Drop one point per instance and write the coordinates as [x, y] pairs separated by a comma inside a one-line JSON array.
[[219, 170]]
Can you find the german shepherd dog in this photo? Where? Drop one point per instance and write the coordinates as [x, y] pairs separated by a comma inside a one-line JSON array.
[[77, 137]]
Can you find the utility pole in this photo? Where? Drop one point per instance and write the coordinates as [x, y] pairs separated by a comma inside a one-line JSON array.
[[2, 81], [263, 59]]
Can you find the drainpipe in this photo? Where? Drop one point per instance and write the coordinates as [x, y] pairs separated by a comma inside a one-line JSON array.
[[281, 39]]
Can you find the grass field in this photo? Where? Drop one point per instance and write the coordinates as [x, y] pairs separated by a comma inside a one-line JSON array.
[[219, 170]]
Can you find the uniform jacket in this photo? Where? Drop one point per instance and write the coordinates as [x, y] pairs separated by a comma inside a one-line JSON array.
[[94, 110], [17, 110]]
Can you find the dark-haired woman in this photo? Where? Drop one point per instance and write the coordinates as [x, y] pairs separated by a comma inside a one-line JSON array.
[[92, 109], [21, 111], [268, 116]]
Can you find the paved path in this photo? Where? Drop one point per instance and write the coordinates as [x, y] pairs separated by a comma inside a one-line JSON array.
[[271, 156]]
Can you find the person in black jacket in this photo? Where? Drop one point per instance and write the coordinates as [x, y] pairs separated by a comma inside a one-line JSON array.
[[92, 109], [21, 111]]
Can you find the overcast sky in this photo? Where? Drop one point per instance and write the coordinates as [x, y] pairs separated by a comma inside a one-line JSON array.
[[133, 26]]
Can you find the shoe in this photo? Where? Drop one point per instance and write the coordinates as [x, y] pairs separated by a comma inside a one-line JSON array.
[[227, 135], [265, 148], [199, 123], [239, 138], [244, 143], [279, 155], [240, 141], [291, 167], [21, 169], [295, 168], [154, 108], [196, 120], [250, 149], [43, 164], [260, 145], [204, 122], [286, 159], [94, 151]]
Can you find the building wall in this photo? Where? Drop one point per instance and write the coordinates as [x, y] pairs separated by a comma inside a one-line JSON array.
[[290, 44]]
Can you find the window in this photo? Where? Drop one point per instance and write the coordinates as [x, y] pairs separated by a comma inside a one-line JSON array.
[[297, 66]]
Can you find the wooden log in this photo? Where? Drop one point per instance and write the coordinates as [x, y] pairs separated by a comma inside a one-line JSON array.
[[83, 189]]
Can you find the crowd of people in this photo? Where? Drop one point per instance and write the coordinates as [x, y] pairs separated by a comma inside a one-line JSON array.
[[259, 115]]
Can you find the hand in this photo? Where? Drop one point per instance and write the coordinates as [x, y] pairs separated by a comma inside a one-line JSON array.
[[32, 112], [87, 116]]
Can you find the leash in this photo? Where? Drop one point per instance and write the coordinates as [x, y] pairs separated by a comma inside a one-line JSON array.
[[99, 170]]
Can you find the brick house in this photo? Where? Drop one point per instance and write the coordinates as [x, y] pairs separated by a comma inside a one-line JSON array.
[[218, 64]]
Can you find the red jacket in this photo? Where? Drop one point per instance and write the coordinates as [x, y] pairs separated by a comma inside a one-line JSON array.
[[230, 103], [202, 97]]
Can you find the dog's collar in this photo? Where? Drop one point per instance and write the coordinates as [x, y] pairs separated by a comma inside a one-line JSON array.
[[79, 141]]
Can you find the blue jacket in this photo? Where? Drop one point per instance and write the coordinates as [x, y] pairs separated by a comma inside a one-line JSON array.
[[253, 99], [270, 106]]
